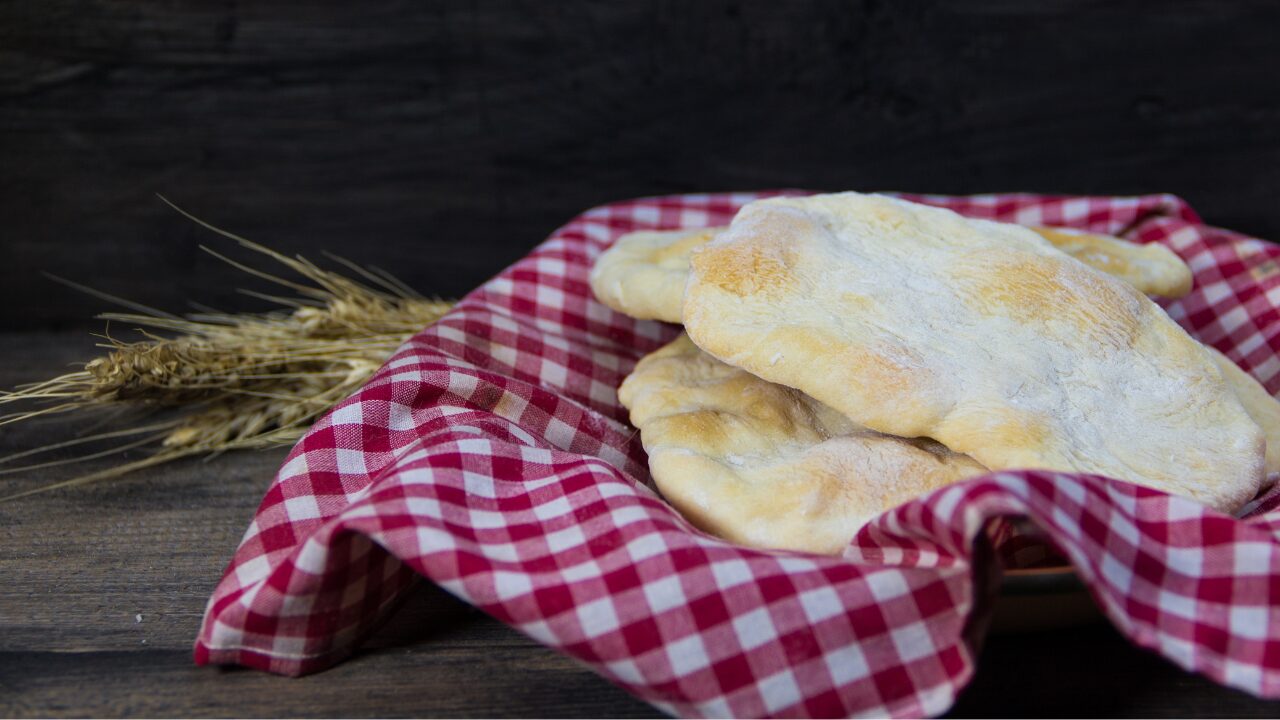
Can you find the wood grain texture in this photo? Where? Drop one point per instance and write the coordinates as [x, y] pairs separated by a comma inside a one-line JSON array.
[[104, 587], [443, 139], [431, 680]]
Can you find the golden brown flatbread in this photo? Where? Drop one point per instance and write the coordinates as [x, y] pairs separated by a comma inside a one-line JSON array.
[[1261, 406], [764, 465], [1152, 269], [914, 321], [644, 273]]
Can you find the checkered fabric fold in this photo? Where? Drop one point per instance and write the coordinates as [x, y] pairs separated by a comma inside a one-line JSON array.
[[491, 456]]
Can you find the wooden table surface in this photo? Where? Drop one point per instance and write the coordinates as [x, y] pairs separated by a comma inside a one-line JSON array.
[[442, 140], [104, 587]]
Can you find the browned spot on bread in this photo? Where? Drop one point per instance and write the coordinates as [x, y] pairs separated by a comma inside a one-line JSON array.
[[1020, 429], [1092, 250], [1043, 289], [885, 377], [746, 269], [759, 258], [1022, 436], [883, 374], [679, 250], [709, 426], [1150, 268]]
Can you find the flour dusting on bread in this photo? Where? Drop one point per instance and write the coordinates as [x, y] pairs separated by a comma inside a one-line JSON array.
[[917, 322]]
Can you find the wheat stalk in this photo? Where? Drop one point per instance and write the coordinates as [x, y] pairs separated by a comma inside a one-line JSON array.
[[233, 381]]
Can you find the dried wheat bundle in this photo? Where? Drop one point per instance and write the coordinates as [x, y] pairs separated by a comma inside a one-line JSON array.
[[233, 381]]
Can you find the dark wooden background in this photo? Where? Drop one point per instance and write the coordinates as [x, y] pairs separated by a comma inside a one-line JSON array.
[[442, 140]]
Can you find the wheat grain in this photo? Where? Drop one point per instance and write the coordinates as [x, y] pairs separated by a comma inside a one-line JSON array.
[[237, 381]]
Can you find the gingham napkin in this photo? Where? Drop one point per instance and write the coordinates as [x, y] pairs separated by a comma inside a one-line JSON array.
[[490, 455]]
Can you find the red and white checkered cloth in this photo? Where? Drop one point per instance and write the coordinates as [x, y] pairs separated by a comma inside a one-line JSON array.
[[490, 455]]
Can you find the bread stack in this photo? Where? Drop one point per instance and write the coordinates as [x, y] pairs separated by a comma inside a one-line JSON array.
[[845, 353]]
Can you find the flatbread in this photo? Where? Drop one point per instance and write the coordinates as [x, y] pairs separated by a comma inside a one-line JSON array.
[[916, 322], [1152, 269], [643, 274], [764, 465], [1261, 406]]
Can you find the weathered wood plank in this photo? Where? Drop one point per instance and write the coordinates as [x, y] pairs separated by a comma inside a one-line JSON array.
[[80, 565], [104, 588], [429, 680], [444, 139]]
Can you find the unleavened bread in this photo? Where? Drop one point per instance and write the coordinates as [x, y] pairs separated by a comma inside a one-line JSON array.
[[1152, 269], [1261, 406], [643, 274], [765, 465], [914, 321]]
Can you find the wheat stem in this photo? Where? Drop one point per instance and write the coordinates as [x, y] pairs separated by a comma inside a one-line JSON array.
[[236, 381]]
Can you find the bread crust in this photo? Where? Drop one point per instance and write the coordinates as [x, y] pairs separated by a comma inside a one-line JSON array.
[[1261, 406], [764, 465], [914, 321], [644, 273], [1152, 269]]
